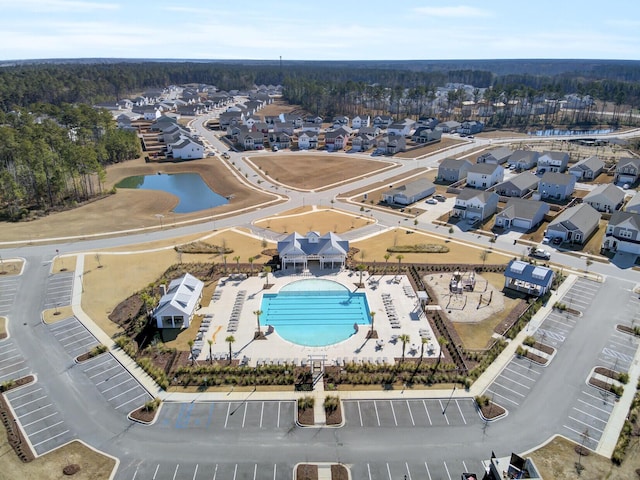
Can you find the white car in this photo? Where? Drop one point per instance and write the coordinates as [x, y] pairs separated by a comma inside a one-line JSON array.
[[431, 201], [539, 253]]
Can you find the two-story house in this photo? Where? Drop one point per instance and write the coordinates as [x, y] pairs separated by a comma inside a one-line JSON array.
[[307, 140], [623, 233], [391, 144], [360, 121], [523, 159], [556, 186], [627, 171], [552, 162], [382, 121], [450, 126], [497, 156], [471, 127], [484, 175], [402, 128], [474, 205], [426, 135], [518, 185], [453, 169], [362, 142]]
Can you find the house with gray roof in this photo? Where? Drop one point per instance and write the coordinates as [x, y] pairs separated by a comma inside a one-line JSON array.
[[484, 175], [518, 185], [497, 156], [425, 135], [556, 186], [633, 205], [450, 126], [453, 169], [471, 127], [402, 128], [527, 278], [298, 251], [279, 140], [360, 121], [391, 144], [307, 140], [522, 213], [523, 159], [362, 142], [587, 169], [605, 198], [474, 205], [382, 121], [623, 233], [576, 224], [252, 141], [552, 162], [179, 302], [409, 192], [337, 139], [187, 148], [627, 171]]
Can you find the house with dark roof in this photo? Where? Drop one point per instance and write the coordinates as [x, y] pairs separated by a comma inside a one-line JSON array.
[[426, 135], [297, 251], [382, 121], [552, 162], [527, 278], [623, 233], [279, 140], [497, 156], [337, 139], [575, 224], [360, 121], [410, 192], [605, 198], [179, 302], [518, 185], [471, 127], [523, 159], [307, 140], [484, 175], [453, 169], [362, 142], [521, 213], [391, 144], [556, 186], [450, 126], [474, 205], [252, 141], [627, 171], [587, 169], [187, 148]]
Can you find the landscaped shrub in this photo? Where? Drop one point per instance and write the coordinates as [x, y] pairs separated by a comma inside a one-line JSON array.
[[7, 385], [529, 341], [97, 350], [152, 405], [331, 403], [623, 377], [306, 402], [482, 400]]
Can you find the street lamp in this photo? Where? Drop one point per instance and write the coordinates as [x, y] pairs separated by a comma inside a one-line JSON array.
[[159, 216]]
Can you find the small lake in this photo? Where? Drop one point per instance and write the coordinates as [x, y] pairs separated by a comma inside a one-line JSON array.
[[559, 132], [192, 192]]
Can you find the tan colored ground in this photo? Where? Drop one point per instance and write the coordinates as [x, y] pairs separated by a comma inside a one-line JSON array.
[[429, 149], [557, 459], [53, 315], [3, 325], [93, 465], [11, 267], [322, 221], [316, 171]]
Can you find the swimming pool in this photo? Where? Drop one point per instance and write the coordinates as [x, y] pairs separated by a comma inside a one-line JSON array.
[[315, 312]]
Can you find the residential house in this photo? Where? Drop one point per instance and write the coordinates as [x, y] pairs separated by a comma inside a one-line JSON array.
[[336, 139], [497, 156], [522, 213], [297, 251], [623, 233], [149, 112], [362, 142], [307, 140], [523, 159], [605, 198], [284, 127], [552, 162], [295, 119], [587, 169], [627, 171], [187, 148], [189, 110], [382, 121], [391, 144], [471, 127], [279, 140], [556, 186], [360, 121], [402, 128], [453, 169], [340, 121], [311, 127], [373, 131], [230, 118], [429, 122], [426, 135], [633, 205], [161, 123], [178, 304], [313, 119], [474, 205], [410, 192], [450, 126], [575, 224], [252, 141], [518, 185], [484, 175], [530, 279]]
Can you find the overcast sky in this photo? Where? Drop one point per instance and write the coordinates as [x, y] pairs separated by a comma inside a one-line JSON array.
[[329, 30]]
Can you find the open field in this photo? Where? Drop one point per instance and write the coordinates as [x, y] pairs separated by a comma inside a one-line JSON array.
[[429, 149], [322, 221], [316, 171], [131, 209]]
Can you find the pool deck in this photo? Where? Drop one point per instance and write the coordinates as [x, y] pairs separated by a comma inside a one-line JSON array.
[[229, 297]]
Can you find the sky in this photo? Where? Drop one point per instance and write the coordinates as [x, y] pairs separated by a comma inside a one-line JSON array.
[[329, 30]]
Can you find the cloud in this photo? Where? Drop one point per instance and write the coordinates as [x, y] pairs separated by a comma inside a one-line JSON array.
[[452, 12], [57, 5]]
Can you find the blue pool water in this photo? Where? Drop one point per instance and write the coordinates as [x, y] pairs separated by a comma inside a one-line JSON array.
[[192, 192], [314, 312]]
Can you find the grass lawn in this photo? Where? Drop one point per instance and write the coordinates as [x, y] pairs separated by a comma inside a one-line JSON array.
[[322, 221], [53, 315], [93, 465], [11, 267]]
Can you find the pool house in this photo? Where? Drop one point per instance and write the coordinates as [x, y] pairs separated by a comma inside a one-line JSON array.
[[297, 251]]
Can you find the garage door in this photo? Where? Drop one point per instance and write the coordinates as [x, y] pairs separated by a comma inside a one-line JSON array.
[[521, 223]]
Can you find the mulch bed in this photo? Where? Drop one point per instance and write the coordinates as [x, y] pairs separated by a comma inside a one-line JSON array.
[[3, 335], [536, 358], [86, 356], [310, 472], [607, 372], [491, 411], [544, 348], [335, 417], [607, 386], [626, 329], [143, 415], [14, 434], [306, 417]]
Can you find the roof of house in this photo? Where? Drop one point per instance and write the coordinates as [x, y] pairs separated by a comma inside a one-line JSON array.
[[634, 202], [526, 156], [469, 193], [523, 208], [484, 168], [623, 162], [313, 244], [558, 156], [620, 217], [590, 163], [612, 193], [182, 294], [580, 217], [557, 178], [412, 188], [522, 181], [454, 163], [498, 153], [527, 272]]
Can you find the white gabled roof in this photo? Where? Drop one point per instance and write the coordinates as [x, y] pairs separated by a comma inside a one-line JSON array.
[[182, 296]]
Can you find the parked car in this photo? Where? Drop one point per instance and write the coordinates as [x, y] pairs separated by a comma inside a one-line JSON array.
[[226, 156], [431, 201], [440, 198], [539, 253], [556, 240]]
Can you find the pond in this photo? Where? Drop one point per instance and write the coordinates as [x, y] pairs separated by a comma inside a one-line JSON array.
[[192, 192]]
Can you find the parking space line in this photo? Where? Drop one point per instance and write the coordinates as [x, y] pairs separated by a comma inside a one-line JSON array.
[[447, 470], [464, 465], [444, 412], [581, 434], [589, 415], [410, 413], [135, 473], [585, 424], [12, 365], [29, 403], [524, 366], [509, 389], [603, 400], [123, 372], [360, 413], [389, 472], [63, 325], [105, 360], [129, 401], [461, 414], [122, 393], [14, 373], [406, 465], [176, 471], [46, 428], [244, 415], [502, 396], [227, 419], [50, 438], [17, 355], [196, 472], [115, 386], [393, 411], [67, 330], [427, 412], [25, 425], [516, 382], [426, 467], [623, 344], [369, 471], [275, 470], [507, 369], [375, 406], [215, 472], [65, 345], [8, 345], [278, 424], [33, 411], [25, 394], [261, 414], [105, 371], [608, 412]]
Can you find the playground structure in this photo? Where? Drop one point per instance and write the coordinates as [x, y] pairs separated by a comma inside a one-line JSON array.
[[462, 282]]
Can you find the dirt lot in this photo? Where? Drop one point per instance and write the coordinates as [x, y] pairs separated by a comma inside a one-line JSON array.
[[429, 149], [322, 221]]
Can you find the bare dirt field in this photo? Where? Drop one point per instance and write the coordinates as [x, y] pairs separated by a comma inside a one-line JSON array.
[[429, 149], [11, 267], [322, 221], [316, 171], [131, 209]]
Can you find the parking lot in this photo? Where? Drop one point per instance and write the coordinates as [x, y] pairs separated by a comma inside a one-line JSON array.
[[515, 382], [271, 415], [59, 290], [40, 420], [12, 364], [410, 413], [73, 336], [426, 468], [8, 289], [206, 471], [119, 388]]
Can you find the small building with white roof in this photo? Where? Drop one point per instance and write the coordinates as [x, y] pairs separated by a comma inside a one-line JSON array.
[[179, 302]]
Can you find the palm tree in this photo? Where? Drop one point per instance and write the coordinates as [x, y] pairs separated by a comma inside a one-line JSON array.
[[387, 256], [404, 338], [399, 258], [237, 259], [267, 270], [224, 259], [442, 342], [190, 343], [230, 339], [483, 256], [360, 268], [257, 313], [251, 260], [372, 315], [424, 341], [210, 342]]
